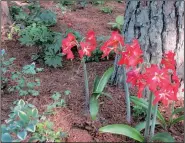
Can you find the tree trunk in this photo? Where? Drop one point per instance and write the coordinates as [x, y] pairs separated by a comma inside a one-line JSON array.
[[159, 27], [5, 18]]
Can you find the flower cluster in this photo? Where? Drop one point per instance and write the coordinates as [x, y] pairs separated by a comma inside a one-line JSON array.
[[112, 44], [161, 80], [85, 48]]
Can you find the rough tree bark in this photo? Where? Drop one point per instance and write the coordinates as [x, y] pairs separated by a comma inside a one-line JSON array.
[[5, 18], [159, 27]]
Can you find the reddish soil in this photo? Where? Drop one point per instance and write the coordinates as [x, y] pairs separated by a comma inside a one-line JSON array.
[[72, 119]]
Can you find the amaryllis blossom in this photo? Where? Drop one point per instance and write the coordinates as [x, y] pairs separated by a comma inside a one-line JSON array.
[[132, 56], [91, 38], [141, 84], [68, 43], [136, 79], [157, 78], [133, 76], [113, 43], [164, 95], [168, 60], [87, 47]]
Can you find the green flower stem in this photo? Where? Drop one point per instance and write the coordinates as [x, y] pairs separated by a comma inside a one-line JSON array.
[[86, 86], [171, 117], [147, 127], [128, 118], [154, 121]]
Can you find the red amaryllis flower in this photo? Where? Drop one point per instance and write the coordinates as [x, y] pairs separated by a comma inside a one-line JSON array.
[[136, 79], [133, 76], [157, 78], [91, 38], [105, 49], [133, 55], [141, 84], [175, 83], [168, 60], [67, 44], [88, 46], [112, 44], [86, 49], [116, 39], [164, 95]]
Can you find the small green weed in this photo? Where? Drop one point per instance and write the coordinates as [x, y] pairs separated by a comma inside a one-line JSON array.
[[45, 133], [107, 10], [118, 24], [58, 101]]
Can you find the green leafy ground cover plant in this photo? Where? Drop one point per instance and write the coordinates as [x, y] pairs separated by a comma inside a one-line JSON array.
[[24, 82], [22, 119], [35, 31], [36, 15], [139, 112], [45, 133], [58, 101], [118, 24]]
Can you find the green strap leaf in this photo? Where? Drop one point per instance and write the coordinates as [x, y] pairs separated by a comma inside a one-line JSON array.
[[94, 107], [142, 125], [96, 81], [178, 110], [174, 121], [144, 104], [164, 137], [6, 137], [97, 94], [104, 79], [123, 130]]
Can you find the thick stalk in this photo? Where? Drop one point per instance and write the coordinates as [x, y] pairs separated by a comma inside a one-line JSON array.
[[154, 121], [86, 86], [128, 118], [147, 127], [171, 117]]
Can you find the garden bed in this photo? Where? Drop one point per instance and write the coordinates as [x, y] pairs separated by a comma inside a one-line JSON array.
[[72, 119]]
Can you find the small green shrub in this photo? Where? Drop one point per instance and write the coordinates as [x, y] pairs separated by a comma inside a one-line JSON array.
[[35, 15], [45, 133], [22, 119], [35, 35]]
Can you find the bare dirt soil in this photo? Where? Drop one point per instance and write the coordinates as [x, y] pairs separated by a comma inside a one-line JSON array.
[[73, 119]]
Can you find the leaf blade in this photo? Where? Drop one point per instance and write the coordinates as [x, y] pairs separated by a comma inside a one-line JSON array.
[[104, 79], [123, 130], [94, 107], [164, 137]]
